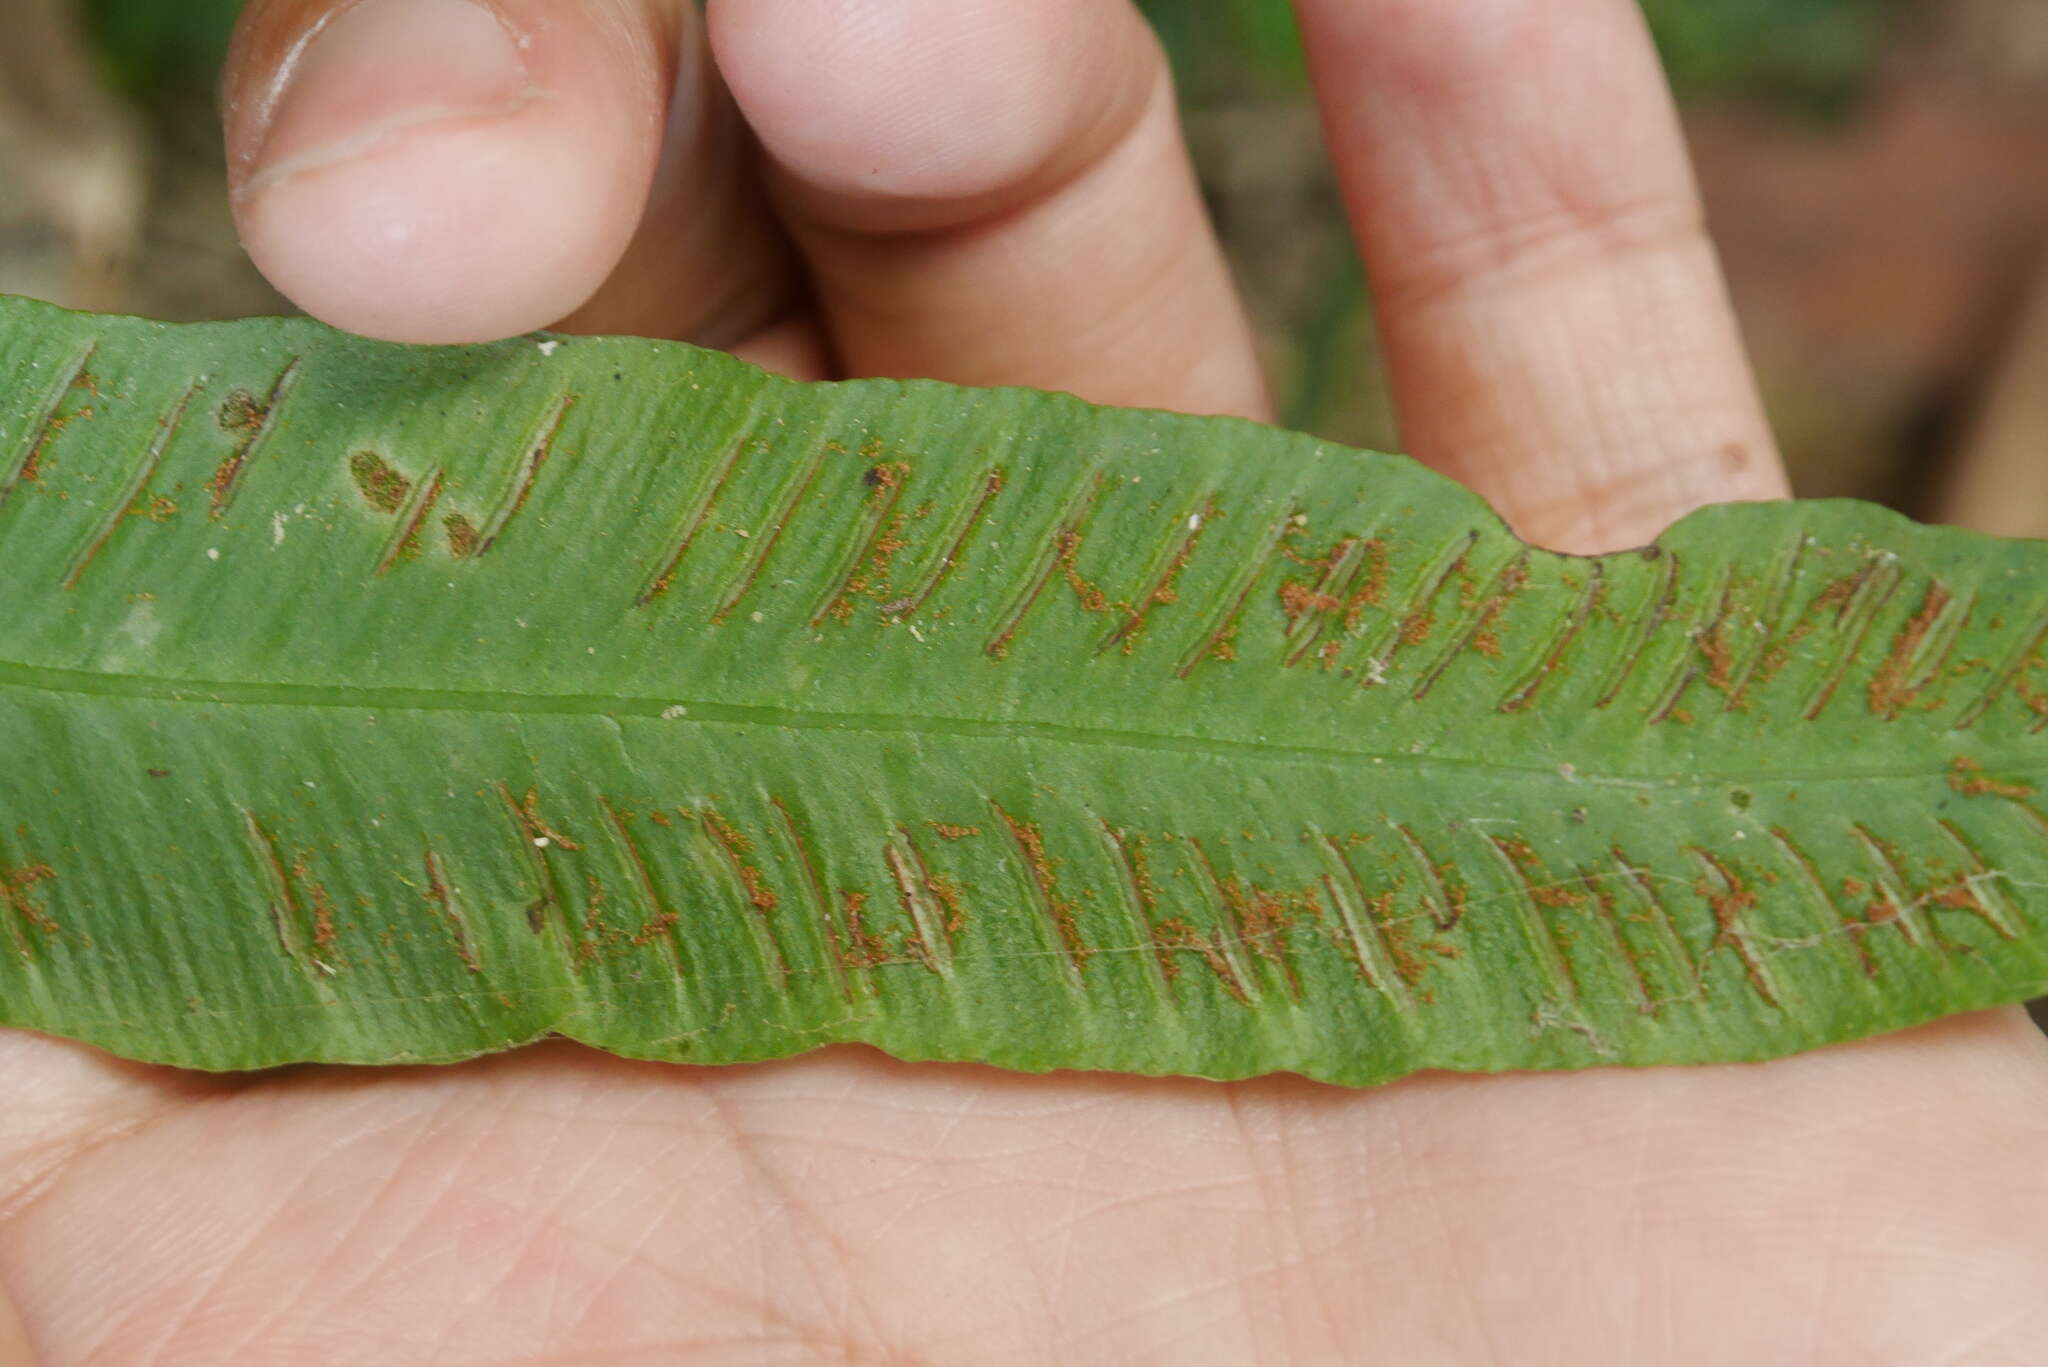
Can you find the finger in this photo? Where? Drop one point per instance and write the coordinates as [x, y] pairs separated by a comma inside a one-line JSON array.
[[993, 193], [450, 170], [709, 261], [1553, 313]]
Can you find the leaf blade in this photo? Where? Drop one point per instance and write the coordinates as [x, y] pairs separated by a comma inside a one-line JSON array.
[[617, 690]]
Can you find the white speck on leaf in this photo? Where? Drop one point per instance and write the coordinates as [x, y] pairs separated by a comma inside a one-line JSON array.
[[213, 552], [547, 348], [672, 713], [133, 637]]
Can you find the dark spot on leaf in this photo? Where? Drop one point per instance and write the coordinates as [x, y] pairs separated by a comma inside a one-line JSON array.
[[462, 535], [241, 413], [381, 486]]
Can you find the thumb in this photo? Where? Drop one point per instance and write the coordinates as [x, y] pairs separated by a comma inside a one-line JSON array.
[[445, 170]]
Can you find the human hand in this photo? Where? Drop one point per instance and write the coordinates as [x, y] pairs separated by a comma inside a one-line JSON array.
[[990, 192]]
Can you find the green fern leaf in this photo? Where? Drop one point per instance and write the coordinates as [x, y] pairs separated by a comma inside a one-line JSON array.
[[370, 703]]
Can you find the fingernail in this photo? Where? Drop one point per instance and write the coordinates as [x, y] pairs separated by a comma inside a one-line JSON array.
[[379, 68]]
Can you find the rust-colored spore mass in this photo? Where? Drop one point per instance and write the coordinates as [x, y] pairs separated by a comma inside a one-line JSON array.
[[241, 413], [1091, 598], [868, 574], [1298, 599], [862, 947], [248, 420], [14, 889], [1399, 937], [36, 463], [536, 826], [1892, 687], [1040, 866], [462, 535], [1165, 589], [325, 932], [947, 890], [1264, 916], [737, 846], [379, 483], [1966, 776], [405, 541], [445, 909], [1175, 935], [1730, 900], [1516, 848]]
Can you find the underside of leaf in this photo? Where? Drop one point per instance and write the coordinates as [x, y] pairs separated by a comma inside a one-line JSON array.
[[369, 703]]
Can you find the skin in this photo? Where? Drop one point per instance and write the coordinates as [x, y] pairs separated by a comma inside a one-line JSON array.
[[991, 192]]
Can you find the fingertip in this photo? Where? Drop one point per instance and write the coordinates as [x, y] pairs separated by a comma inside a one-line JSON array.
[[993, 193], [457, 234], [914, 114], [428, 171]]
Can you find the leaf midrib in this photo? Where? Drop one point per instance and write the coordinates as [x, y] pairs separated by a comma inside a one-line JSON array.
[[215, 693]]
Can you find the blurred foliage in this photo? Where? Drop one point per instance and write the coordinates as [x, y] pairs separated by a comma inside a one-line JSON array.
[[1225, 47], [1806, 56], [1803, 56], [160, 51]]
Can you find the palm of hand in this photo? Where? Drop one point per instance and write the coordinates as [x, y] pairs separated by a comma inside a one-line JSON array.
[[1520, 196], [556, 1205]]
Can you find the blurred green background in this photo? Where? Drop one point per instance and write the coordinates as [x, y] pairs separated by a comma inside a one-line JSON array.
[[1808, 52], [157, 51]]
